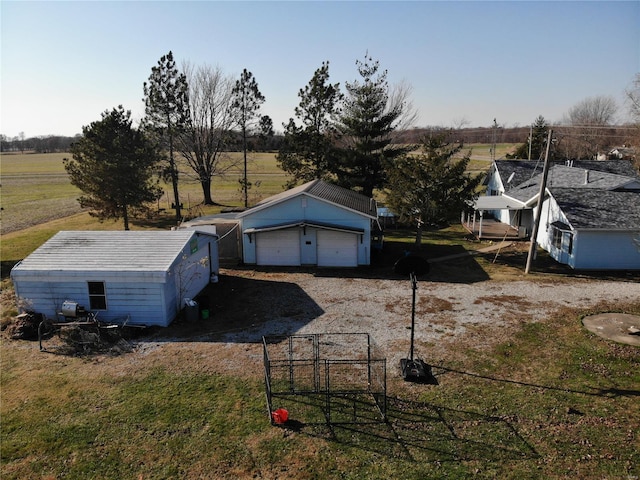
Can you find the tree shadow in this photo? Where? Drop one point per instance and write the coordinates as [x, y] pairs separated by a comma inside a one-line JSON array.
[[598, 392]]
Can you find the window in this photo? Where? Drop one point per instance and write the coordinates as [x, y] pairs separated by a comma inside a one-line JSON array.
[[97, 296], [557, 238]]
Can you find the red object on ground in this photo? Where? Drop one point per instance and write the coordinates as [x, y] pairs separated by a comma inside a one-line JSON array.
[[280, 416]]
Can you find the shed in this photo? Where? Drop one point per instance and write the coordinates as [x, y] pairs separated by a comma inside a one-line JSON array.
[[316, 223], [144, 276]]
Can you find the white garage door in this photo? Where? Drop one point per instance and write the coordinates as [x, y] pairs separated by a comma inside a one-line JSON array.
[[279, 247], [337, 249]]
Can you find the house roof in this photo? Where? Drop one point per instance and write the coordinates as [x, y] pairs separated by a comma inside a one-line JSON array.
[[561, 176], [599, 209], [524, 170], [322, 190], [108, 251]]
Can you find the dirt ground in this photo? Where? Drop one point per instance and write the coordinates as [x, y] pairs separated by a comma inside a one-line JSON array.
[[247, 304]]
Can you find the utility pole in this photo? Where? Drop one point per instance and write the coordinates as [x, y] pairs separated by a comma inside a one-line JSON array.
[[543, 187], [493, 140], [530, 139]]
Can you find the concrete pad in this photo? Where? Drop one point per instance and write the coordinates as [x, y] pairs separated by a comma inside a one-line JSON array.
[[615, 326]]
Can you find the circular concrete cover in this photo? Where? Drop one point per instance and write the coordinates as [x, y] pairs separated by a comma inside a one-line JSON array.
[[619, 327]]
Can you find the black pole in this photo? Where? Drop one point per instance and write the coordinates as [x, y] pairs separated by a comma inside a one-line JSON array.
[[414, 285]]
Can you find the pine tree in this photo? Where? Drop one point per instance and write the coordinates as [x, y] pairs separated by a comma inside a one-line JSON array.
[[113, 165], [167, 112], [370, 115], [247, 102], [432, 187], [308, 151]]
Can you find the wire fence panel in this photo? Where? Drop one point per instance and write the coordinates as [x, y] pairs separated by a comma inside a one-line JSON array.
[[345, 369]]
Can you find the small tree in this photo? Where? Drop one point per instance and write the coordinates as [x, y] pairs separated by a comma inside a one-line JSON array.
[[308, 151], [113, 165], [246, 103], [432, 187], [167, 112], [535, 146]]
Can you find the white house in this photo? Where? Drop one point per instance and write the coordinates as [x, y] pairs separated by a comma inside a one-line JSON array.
[[144, 276], [589, 216]]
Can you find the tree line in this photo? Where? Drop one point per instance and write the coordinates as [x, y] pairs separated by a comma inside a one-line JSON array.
[[359, 136]]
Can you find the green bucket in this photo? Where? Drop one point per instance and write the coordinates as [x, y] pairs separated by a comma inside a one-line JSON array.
[[205, 314]]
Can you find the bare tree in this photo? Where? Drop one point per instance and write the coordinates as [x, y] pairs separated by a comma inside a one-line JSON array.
[[587, 119], [633, 103], [633, 99], [204, 143]]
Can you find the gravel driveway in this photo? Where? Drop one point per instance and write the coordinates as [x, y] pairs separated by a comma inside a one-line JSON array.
[[248, 304]]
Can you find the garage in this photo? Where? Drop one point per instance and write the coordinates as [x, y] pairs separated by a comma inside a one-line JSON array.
[[337, 249], [316, 223], [278, 247]]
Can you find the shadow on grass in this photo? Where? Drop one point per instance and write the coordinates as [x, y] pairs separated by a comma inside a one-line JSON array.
[[413, 431], [599, 392]]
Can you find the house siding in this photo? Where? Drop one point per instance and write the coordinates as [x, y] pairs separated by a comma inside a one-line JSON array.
[[606, 250]]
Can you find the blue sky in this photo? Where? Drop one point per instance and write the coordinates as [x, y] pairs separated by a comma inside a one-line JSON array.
[[64, 63]]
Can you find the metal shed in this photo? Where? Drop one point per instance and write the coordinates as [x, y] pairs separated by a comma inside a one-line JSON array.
[[142, 276]]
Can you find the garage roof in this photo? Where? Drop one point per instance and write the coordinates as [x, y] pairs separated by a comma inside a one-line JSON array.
[[322, 190]]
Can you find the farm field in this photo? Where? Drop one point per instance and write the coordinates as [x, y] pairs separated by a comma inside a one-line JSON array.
[[35, 187]]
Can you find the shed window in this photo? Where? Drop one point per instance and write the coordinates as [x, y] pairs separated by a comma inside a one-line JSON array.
[[97, 296], [557, 238]]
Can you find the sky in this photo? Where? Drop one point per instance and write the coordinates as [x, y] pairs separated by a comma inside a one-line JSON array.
[[468, 62]]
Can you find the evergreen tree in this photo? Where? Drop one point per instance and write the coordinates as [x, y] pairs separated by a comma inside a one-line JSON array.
[[308, 151], [113, 165], [539, 132], [247, 101], [432, 187], [167, 112], [370, 115]]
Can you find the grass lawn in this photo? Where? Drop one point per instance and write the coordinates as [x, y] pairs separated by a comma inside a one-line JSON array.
[[550, 401]]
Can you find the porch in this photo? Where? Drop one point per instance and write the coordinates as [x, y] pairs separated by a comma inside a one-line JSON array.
[[488, 228]]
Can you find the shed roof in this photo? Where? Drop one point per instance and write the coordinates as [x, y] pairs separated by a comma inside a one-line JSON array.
[[322, 190], [150, 251]]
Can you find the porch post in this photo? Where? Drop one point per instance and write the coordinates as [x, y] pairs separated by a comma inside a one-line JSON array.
[[480, 227]]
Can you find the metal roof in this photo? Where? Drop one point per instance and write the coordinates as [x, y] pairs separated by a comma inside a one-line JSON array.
[[322, 190], [151, 251]]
